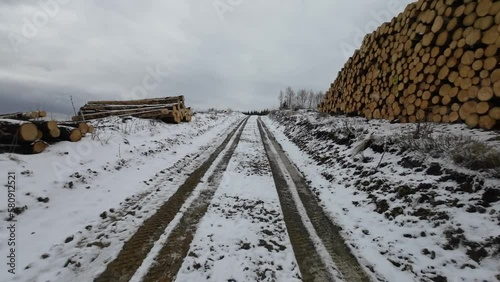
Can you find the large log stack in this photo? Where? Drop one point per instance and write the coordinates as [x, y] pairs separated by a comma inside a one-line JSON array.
[[25, 133], [167, 109], [437, 61]]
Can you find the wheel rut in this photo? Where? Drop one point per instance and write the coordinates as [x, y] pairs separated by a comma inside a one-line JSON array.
[[313, 265], [169, 260], [136, 249]]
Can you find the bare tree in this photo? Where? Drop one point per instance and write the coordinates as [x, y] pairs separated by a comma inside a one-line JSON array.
[[310, 99], [319, 97], [289, 97], [307, 99], [302, 98], [281, 98]]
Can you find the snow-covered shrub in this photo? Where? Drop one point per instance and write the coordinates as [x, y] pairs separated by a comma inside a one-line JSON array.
[[464, 151], [477, 155]]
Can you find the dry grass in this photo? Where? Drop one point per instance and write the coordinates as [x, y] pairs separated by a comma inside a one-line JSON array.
[[464, 151]]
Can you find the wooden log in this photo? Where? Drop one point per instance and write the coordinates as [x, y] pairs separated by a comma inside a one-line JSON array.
[[473, 37], [20, 115], [93, 108], [490, 51], [35, 147], [49, 129], [472, 92], [485, 93], [495, 76], [490, 63], [484, 23], [486, 122], [20, 130], [453, 117], [467, 58], [467, 109], [490, 36], [173, 118], [141, 112], [482, 108], [496, 89], [187, 114], [463, 96], [39, 135], [82, 126], [69, 133], [483, 7], [472, 120], [494, 113], [438, 24], [165, 100]]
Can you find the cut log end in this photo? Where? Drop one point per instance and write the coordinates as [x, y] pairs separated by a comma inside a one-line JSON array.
[[27, 132], [38, 147], [70, 133]]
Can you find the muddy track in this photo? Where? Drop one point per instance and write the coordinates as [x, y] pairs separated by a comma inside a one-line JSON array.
[[169, 260], [137, 248], [310, 263]]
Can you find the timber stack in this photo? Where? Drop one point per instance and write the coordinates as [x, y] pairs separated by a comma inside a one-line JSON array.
[[24, 132], [167, 109], [437, 61]]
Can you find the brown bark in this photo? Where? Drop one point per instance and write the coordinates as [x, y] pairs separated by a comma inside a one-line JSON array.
[[69, 133], [14, 129]]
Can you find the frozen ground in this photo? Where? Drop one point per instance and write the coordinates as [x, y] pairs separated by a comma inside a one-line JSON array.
[[78, 202], [416, 217]]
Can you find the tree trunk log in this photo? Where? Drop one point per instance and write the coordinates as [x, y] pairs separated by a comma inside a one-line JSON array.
[[48, 128], [69, 133], [155, 101], [35, 147], [82, 126], [20, 115], [20, 130]]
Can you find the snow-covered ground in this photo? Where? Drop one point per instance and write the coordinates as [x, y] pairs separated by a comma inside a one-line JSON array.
[[410, 209], [243, 237], [80, 201], [414, 218]]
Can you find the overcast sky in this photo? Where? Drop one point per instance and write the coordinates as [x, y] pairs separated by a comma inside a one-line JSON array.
[[218, 53]]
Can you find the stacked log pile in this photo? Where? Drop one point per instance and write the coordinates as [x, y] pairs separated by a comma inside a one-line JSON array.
[[437, 61], [25, 133], [24, 115], [167, 109]]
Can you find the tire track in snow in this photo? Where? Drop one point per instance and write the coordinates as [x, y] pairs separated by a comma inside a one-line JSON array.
[[243, 236], [322, 255], [169, 259], [137, 248]]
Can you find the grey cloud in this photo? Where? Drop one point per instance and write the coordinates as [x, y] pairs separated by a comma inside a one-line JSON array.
[[240, 62]]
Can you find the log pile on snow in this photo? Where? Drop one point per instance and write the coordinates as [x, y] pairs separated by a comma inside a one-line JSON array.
[[437, 61], [167, 109], [24, 115], [25, 133]]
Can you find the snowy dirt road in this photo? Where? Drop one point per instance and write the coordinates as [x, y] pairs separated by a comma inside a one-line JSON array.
[[243, 219], [233, 208]]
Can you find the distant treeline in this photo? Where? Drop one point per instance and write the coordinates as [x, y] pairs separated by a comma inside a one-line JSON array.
[[257, 113], [300, 99]]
